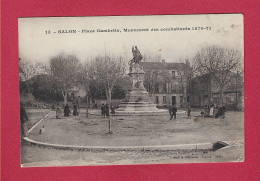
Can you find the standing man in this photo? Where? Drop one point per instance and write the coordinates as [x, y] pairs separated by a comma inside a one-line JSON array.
[[113, 111], [170, 111], [174, 111], [107, 110]]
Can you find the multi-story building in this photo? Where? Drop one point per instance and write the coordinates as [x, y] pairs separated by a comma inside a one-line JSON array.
[[166, 82], [204, 90]]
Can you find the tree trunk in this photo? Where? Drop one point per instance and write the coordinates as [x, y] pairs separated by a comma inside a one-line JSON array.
[[210, 97], [221, 95], [109, 109], [65, 96], [184, 97], [87, 100]]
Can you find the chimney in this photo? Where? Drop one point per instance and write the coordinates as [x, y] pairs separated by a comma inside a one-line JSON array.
[[163, 62]]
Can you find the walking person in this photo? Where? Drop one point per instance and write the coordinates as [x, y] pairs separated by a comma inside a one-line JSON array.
[[188, 112]]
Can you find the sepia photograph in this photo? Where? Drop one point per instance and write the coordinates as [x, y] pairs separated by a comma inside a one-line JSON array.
[[127, 90]]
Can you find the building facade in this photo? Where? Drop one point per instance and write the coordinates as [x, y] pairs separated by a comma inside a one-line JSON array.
[[166, 82], [204, 90]]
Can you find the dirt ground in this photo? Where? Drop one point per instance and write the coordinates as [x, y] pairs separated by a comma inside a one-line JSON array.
[[131, 131], [139, 130], [35, 115]]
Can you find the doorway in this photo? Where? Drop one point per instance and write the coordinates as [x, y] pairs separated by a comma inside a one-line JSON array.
[[173, 100]]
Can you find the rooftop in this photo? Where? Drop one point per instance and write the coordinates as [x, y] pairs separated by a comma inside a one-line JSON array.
[[163, 65]]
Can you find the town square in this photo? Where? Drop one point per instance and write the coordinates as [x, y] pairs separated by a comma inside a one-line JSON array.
[[132, 103]]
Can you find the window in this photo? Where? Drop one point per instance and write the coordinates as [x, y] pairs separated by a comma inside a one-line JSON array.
[[181, 99], [164, 99], [157, 99], [164, 88], [173, 87], [156, 88], [173, 74], [188, 98], [72, 95], [173, 100]]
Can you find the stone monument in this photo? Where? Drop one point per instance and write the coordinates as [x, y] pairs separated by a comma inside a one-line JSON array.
[[137, 101]]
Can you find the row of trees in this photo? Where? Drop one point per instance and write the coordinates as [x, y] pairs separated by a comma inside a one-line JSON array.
[[67, 71], [222, 64]]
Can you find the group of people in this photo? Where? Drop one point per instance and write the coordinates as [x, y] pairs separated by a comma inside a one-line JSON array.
[[213, 111], [173, 112], [66, 111], [105, 110]]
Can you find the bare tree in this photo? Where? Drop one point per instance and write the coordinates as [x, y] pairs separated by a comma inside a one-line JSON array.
[[28, 70], [108, 70], [220, 63], [85, 76], [64, 69]]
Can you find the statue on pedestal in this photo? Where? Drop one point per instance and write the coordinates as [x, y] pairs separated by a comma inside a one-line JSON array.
[[137, 57], [137, 101]]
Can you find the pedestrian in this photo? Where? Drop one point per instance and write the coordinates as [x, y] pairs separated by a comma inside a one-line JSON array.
[[188, 112], [174, 111], [107, 110], [102, 107], [170, 111], [67, 111], [58, 112], [224, 109], [112, 111], [75, 110], [211, 110]]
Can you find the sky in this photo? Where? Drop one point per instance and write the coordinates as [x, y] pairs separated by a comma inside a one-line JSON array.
[[38, 46]]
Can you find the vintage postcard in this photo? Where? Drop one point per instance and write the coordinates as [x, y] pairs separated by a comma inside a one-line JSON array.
[[119, 90]]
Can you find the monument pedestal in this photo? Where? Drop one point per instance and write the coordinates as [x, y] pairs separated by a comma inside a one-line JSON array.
[[138, 102]]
